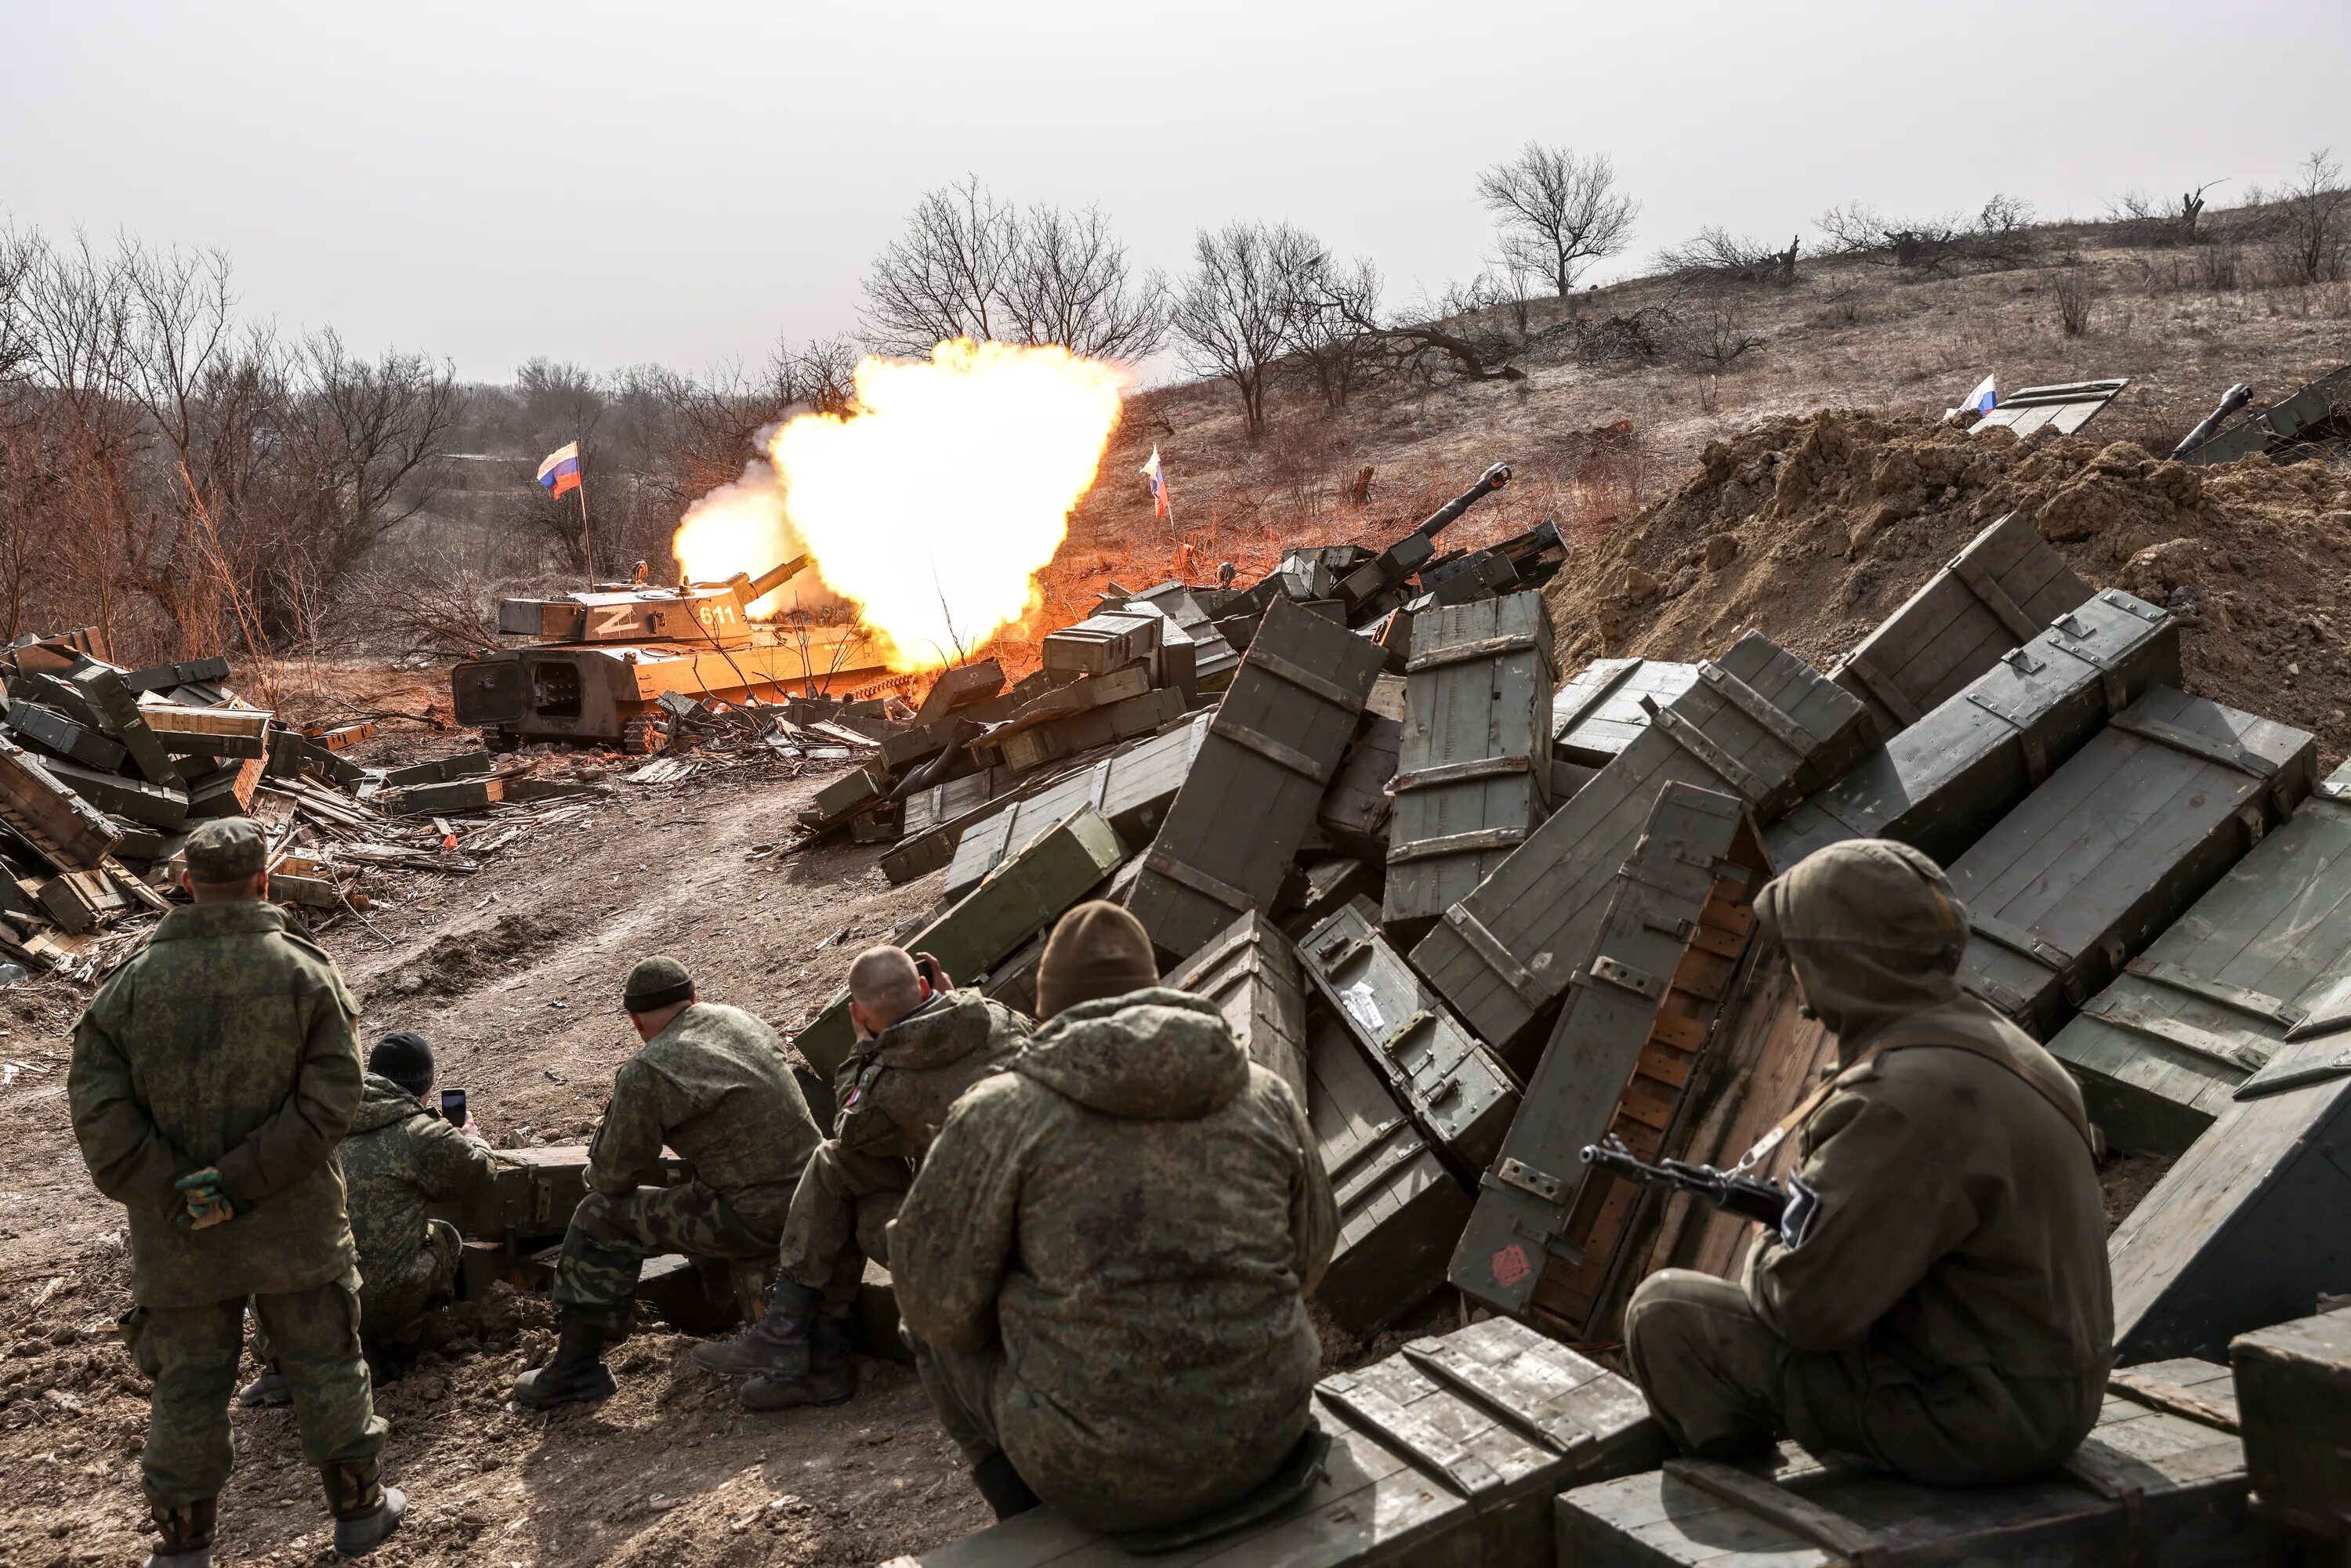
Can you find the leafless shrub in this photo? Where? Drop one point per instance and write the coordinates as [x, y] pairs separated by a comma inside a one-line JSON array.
[[2141, 220], [2312, 241], [432, 604], [1714, 338], [969, 265], [2216, 266], [1997, 236], [1643, 335], [1717, 256], [2073, 291], [1557, 211]]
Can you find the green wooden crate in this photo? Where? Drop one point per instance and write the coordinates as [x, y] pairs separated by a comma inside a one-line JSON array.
[[1596, 715], [1251, 972], [1759, 724], [1132, 786], [2264, 955], [1021, 897], [1448, 1453], [2117, 843], [2294, 1398]]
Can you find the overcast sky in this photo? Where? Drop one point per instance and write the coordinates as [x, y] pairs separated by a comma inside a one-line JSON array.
[[612, 184]]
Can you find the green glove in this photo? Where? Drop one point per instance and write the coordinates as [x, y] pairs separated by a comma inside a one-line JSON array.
[[205, 1205]]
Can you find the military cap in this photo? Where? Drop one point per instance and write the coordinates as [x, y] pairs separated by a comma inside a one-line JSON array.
[[226, 850], [1098, 950], [654, 984]]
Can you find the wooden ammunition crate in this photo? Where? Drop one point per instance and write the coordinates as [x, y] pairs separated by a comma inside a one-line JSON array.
[[1597, 714], [2261, 958], [1273, 747], [1548, 1239], [1462, 1097], [1761, 724], [1214, 660], [1448, 1453], [1940, 783], [63, 736], [1473, 766], [1251, 972], [2118, 842], [1399, 1208], [2293, 1399], [2000, 592], [2149, 1487], [2246, 1229], [1132, 786], [1101, 643]]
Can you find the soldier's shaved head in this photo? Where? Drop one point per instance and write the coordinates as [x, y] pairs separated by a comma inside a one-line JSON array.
[[884, 984]]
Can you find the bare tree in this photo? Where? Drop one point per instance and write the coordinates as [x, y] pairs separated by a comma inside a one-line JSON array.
[[1071, 285], [1996, 235], [969, 265], [21, 252], [1328, 337], [2313, 227], [1558, 210], [1235, 316], [1717, 256], [369, 435], [2141, 220]]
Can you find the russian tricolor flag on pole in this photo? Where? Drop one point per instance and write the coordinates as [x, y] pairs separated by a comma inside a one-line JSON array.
[[1158, 477], [560, 472]]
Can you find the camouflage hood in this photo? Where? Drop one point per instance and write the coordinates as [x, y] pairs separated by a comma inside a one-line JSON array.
[[1154, 1055], [383, 1103], [1874, 932], [944, 1029]]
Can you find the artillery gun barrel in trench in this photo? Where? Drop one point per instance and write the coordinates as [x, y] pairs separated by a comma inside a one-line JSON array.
[[1491, 480]]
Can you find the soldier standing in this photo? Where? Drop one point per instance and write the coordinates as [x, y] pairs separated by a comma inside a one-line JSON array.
[[711, 1083], [1937, 1295], [1103, 1261], [919, 1044], [212, 1075]]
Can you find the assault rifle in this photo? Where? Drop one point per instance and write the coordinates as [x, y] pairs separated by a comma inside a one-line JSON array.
[[1749, 1198]]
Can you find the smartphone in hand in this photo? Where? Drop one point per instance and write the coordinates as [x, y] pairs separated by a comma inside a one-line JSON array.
[[453, 1106]]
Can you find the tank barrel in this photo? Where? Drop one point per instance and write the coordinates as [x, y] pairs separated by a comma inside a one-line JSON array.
[[772, 578], [1491, 480]]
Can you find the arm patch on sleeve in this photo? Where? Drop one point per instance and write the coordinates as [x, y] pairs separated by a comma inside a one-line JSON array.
[[1803, 1209]]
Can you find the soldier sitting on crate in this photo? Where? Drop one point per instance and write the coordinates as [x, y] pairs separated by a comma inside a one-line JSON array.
[[1103, 1264], [920, 1045], [399, 1158], [710, 1084], [1936, 1296]]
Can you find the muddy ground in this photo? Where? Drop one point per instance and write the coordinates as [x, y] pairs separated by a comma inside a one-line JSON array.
[[515, 976]]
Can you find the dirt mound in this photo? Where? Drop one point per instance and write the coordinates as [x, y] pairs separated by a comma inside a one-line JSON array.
[[1814, 529], [463, 961]]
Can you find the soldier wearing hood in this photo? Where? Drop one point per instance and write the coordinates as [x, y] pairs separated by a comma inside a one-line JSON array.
[[1105, 1259], [1936, 1296], [919, 1044]]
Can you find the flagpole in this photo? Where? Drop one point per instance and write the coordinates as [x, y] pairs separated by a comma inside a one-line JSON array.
[[586, 542]]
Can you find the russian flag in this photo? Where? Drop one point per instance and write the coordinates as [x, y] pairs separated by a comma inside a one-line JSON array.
[[1982, 400], [560, 472], [1158, 477]]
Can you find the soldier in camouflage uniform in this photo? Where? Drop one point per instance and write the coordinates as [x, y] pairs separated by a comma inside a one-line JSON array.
[[212, 1075], [712, 1085], [920, 1045], [1105, 1259], [1936, 1296], [399, 1158]]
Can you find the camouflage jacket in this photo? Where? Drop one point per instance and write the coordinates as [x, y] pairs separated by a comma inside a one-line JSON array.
[[1136, 1212], [896, 1089], [226, 1042], [715, 1088], [398, 1159]]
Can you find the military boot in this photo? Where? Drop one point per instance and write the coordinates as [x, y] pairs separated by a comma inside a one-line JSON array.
[[824, 1377], [365, 1512], [777, 1344], [183, 1536], [269, 1388], [576, 1371]]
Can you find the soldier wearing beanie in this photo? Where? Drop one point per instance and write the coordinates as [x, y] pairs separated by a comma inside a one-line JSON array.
[[1937, 1297], [711, 1083], [212, 1075], [1103, 1261]]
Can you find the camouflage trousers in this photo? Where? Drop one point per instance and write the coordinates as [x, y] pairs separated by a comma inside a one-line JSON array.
[[191, 1352], [962, 1386], [1723, 1382], [611, 1238], [392, 1301], [839, 1217]]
